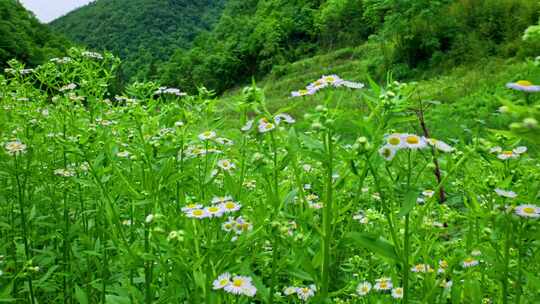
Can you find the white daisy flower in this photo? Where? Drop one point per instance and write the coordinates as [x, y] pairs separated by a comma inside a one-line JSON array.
[[304, 293], [214, 211], [352, 85], [207, 135], [520, 150], [197, 213], [504, 155], [524, 86], [301, 93], [290, 290], [428, 193], [222, 281], [317, 85], [383, 284], [333, 80], [191, 207], [527, 210], [238, 285], [440, 145], [505, 193], [469, 262], [284, 117], [226, 164], [387, 152], [15, 147], [413, 141], [397, 293], [230, 206], [266, 127], [395, 141], [363, 288], [248, 125]]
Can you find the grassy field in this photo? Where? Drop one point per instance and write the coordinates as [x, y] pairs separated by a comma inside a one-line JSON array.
[[395, 192]]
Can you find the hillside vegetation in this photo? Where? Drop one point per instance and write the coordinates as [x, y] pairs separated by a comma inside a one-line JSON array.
[[142, 32], [24, 38]]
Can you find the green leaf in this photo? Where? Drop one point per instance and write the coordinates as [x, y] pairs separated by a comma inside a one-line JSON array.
[[301, 274], [375, 244], [80, 295], [408, 203]]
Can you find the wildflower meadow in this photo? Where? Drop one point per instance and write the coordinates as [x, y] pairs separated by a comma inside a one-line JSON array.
[[343, 193]]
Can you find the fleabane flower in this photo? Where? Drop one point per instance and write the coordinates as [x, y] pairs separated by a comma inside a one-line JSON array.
[[247, 126], [207, 135], [226, 164], [523, 86], [505, 193], [387, 152], [221, 199], [440, 145], [469, 262], [230, 206], [395, 141], [266, 127], [15, 148], [397, 293], [289, 290], [528, 211], [301, 93], [214, 211], [383, 284], [505, 155], [191, 207], [241, 285], [413, 141], [352, 85], [284, 117], [363, 288], [197, 213], [304, 293], [222, 281]]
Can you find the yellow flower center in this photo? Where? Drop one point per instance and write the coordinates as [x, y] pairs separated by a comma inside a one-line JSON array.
[[303, 92], [384, 285], [509, 153], [524, 83], [238, 283], [394, 141], [387, 153], [268, 126], [223, 282], [230, 205], [213, 209], [198, 212], [529, 210], [413, 140]]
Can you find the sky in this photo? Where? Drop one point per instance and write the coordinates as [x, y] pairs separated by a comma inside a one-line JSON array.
[[48, 10]]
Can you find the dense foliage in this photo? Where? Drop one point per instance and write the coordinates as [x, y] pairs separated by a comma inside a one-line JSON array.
[[142, 32], [373, 196], [23, 37]]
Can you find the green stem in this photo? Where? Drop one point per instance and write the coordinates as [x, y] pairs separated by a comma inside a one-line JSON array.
[[327, 216]]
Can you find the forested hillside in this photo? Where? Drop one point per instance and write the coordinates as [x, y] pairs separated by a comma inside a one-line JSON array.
[[253, 37], [142, 32], [24, 38]]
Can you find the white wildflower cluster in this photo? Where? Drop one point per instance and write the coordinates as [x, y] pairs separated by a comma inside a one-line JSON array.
[[422, 268], [266, 125], [326, 81], [399, 141], [92, 55], [169, 91], [508, 154], [64, 172], [505, 193], [237, 285], [62, 60], [217, 209], [303, 293], [383, 285], [237, 225]]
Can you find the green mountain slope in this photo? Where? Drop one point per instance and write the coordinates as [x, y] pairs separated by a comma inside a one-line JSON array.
[[24, 38], [255, 37], [142, 32]]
